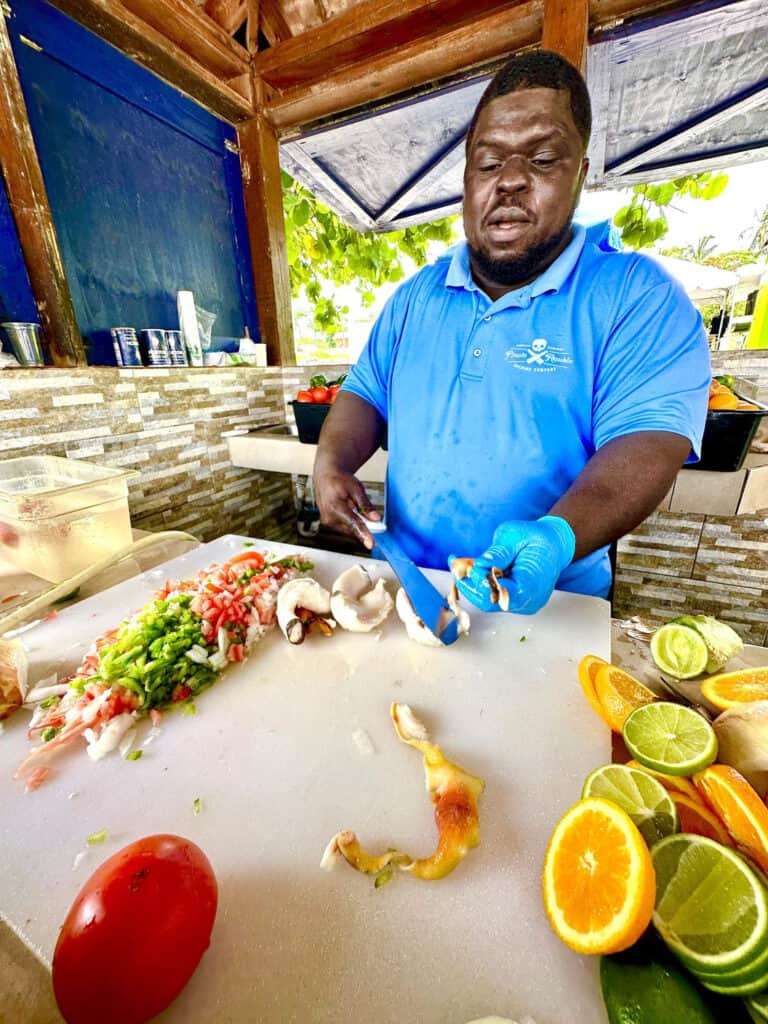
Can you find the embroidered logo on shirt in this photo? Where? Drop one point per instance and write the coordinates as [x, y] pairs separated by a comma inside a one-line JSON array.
[[538, 357]]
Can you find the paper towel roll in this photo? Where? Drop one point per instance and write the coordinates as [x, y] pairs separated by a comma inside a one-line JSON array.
[[190, 332]]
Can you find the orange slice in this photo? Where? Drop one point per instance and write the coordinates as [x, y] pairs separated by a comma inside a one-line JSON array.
[[619, 694], [599, 884], [693, 816], [731, 688], [588, 667], [739, 808], [672, 783]]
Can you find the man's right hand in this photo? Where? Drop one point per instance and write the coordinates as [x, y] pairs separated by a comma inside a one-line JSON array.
[[349, 437], [344, 504]]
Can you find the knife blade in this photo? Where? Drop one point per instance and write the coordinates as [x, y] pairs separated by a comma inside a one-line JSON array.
[[428, 603]]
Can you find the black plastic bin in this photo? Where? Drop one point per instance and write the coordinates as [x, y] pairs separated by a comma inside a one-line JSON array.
[[727, 438], [310, 417]]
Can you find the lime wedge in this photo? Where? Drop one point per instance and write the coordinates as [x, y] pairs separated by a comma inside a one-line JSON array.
[[644, 799], [670, 738], [679, 650], [711, 908], [727, 987]]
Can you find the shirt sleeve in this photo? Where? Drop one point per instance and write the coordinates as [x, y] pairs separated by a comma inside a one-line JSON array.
[[370, 376], [654, 370]]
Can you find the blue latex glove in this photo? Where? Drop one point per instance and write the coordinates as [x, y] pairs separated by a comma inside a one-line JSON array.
[[532, 555]]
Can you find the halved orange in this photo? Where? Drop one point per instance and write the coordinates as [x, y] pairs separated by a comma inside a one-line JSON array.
[[731, 688], [619, 694], [672, 783], [588, 667], [739, 808], [694, 816], [599, 884]]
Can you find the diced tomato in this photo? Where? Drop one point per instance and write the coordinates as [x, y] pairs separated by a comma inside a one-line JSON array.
[[156, 716], [51, 615], [180, 692], [236, 652]]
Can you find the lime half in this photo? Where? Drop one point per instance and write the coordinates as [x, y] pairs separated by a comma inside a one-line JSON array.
[[644, 799], [711, 908], [670, 738], [679, 650]]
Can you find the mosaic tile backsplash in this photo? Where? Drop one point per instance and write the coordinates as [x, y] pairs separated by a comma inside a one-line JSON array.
[[167, 424]]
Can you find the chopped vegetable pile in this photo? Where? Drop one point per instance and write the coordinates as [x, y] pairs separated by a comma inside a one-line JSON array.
[[164, 655]]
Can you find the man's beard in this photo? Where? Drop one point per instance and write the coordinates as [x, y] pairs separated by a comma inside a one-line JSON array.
[[524, 268]]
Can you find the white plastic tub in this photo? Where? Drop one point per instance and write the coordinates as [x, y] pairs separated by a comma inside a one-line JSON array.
[[57, 516]]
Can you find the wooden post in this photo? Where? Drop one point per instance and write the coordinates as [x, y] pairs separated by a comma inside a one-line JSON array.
[[252, 27], [263, 195], [566, 23], [32, 215]]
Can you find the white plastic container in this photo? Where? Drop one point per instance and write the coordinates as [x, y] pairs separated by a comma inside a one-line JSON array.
[[58, 516]]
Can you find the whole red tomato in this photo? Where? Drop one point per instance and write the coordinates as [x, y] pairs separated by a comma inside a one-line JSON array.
[[333, 392], [320, 394], [135, 933], [304, 396]]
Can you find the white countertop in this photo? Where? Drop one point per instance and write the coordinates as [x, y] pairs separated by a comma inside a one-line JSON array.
[[283, 453]]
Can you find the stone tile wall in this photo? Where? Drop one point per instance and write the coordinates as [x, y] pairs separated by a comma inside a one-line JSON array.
[[165, 423]]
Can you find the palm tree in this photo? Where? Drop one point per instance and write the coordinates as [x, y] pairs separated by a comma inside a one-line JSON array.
[[759, 243], [701, 250]]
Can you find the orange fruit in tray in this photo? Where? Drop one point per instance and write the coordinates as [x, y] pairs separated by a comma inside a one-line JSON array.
[[729, 689], [588, 667], [672, 783], [694, 816], [739, 807], [598, 883], [723, 400], [619, 695]]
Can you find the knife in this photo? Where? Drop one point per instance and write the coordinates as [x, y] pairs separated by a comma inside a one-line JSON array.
[[428, 603]]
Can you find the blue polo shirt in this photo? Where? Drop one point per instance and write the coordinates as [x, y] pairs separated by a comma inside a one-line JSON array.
[[494, 408]]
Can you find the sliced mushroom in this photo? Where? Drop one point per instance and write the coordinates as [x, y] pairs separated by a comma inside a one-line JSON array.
[[303, 606], [454, 793], [356, 603], [415, 627]]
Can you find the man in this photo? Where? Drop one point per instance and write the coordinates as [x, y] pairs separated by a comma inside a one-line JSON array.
[[540, 394]]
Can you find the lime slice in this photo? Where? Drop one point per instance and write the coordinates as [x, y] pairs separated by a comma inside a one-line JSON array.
[[644, 799], [711, 908], [670, 738], [752, 974], [726, 987], [679, 651], [758, 1006]]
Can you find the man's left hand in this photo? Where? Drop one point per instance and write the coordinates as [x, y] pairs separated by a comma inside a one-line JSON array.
[[531, 555]]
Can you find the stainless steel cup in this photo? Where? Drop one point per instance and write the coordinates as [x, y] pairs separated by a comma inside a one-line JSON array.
[[25, 341]]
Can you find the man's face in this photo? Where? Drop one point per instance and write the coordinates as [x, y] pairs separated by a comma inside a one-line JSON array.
[[524, 171]]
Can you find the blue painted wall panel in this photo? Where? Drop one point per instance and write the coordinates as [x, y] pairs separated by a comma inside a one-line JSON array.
[[142, 188], [16, 301]]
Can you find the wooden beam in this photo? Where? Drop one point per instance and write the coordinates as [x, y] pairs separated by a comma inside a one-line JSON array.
[[229, 14], [273, 24], [438, 54], [263, 194], [565, 29], [367, 30], [145, 44], [608, 13], [252, 26], [32, 215], [194, 33]]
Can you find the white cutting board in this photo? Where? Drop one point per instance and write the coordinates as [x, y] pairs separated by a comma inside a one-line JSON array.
[[271, 756]]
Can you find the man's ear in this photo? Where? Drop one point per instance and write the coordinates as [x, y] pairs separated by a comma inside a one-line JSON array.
[[584, 170]]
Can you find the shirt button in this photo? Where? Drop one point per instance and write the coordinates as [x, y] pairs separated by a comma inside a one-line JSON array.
[[477, 352]]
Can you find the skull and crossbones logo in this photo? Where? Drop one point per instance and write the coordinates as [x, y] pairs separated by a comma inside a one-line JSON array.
[[537, 351]]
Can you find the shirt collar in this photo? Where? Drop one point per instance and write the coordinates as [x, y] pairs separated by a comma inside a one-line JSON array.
[[554, 277]]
